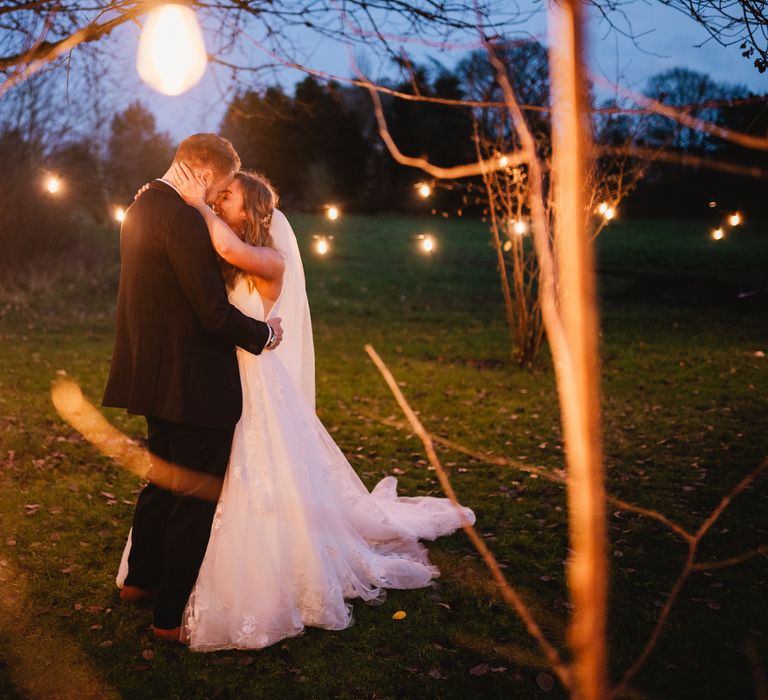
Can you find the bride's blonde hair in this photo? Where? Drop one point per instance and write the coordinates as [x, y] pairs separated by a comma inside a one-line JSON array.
[[259, 202]]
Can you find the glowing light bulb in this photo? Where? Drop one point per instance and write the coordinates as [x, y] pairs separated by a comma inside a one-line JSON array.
[[718, 234], [503, 161], [609, 213], [712, 204], [171, 57], [53, 185], [332, 213], [424, 190], [322, 246], [602, 207], [427, 243], [519, 227], [734, 219], [119, 214]]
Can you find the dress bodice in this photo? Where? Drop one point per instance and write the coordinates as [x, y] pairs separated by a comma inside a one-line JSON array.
[[247, 299]]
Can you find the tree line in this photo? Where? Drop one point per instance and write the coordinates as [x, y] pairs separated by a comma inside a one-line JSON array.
[[319, 143]]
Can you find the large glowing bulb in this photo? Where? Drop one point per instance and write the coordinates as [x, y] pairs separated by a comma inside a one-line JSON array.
[[424, 190], [322, 246], [53, 185], [718, 234], [332, 213], [119, 214], [734, 219], [171, 56]]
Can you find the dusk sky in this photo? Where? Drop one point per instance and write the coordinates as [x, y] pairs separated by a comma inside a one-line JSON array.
[[667, 39]]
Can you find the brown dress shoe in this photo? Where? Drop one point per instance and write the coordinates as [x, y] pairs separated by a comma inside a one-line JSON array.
[[133, 594], [164, 635]]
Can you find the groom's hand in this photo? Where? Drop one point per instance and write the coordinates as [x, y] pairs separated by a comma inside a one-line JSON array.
[[277, 333], [141, 191]]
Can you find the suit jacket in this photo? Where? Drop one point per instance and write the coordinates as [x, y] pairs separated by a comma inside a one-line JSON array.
[[174, 355]]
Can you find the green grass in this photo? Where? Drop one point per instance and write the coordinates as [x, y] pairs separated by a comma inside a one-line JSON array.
[[684, 399]]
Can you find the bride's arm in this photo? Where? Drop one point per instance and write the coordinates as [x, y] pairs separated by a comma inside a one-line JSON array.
[[263, 262]]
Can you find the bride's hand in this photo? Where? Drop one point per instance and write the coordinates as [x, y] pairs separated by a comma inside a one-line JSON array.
[[189, 184]]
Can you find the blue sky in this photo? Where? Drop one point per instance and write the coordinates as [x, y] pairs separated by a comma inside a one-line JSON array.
[[666, 39]]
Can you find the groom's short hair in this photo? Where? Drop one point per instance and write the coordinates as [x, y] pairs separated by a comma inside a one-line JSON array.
[[208, 151]]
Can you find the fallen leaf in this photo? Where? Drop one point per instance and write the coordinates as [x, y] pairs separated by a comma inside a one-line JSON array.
[[399, 615], [479, 670], [435, 673], [545, 681], [148, 655], [106, 644]]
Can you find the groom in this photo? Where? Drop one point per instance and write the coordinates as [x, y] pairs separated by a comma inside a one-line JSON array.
[[174, 362]]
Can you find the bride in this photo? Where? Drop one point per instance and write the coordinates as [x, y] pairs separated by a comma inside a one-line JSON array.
[[296, 533]]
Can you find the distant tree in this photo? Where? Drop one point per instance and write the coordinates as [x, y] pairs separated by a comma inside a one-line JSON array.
[[37, 226], [527, 65], [80, 165], [331, 137], [262, 128], [310, 145], [672, 189], [678, 87], [137, 152]]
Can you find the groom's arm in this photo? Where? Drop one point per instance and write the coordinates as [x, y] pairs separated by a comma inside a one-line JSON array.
[[193, 260]]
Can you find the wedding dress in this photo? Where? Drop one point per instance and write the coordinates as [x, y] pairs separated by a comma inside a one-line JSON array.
[[296, 534]]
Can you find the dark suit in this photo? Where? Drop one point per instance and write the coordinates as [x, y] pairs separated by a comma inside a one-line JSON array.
[[174, 362]]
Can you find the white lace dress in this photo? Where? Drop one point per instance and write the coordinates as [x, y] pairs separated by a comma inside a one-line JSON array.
[[296, 534]]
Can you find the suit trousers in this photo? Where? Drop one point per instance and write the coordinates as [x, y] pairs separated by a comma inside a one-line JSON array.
[[174, 512]]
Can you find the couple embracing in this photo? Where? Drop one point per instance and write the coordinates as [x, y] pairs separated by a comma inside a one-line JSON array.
[[274, 531]]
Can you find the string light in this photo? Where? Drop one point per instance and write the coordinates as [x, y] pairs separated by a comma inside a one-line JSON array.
[[53, 184], [171, 57], [427, 243], [606, 211], [718, 234], [735, 219], [519, 227], [322, 244], [424, 190], [712, 204], [332, 212], [119, 214], [503, 161]]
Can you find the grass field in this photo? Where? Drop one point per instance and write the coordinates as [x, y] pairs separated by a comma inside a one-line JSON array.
[[684, 398]]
